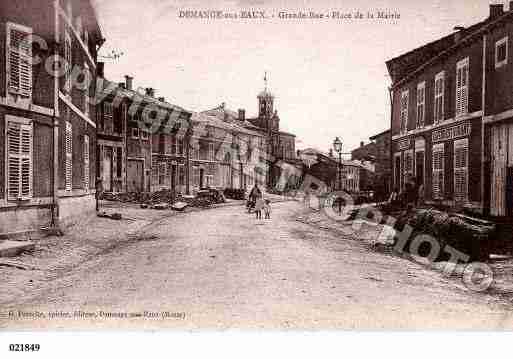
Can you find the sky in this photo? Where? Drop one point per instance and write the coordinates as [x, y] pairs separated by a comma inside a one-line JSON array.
[[328, 75]]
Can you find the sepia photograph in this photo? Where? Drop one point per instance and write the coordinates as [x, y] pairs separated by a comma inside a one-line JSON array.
[[255, 165]]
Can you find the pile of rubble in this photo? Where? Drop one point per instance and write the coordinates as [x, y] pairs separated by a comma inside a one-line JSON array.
[[471, 236], [165, 198]]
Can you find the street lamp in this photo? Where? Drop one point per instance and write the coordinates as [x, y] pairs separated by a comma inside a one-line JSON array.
[[337, 146]]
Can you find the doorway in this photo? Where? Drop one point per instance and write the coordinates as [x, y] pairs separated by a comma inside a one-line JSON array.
[[419, 168], [397, 171], [135, 175], [107, 169], [201, 178]]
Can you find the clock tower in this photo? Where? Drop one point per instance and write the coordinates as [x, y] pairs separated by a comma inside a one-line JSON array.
[[265, 106]]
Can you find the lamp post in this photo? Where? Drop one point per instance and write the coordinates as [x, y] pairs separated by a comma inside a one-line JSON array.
[[337, 146]]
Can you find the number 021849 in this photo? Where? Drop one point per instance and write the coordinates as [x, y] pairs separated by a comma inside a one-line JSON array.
[[24, 347]]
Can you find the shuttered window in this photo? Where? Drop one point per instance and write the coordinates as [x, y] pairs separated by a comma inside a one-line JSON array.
[[196, 176], [439, 97], [86, 90], [181, 175], [179, 147], [86, 162], [211, 154], [19, 159], [68, 61], [408, 164], [501, 52], [462, 87], [162, 172], [404, 111], [19, 60], [461, 169], [421, 104], [68, 139], [438, 171]]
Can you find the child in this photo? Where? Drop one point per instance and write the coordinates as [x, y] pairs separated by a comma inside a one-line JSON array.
[[259, 205], [267, 209]]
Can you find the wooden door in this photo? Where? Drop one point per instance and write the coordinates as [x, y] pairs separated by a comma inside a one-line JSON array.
[[107, 169], [135, 178], [499, 154], [419, 167]]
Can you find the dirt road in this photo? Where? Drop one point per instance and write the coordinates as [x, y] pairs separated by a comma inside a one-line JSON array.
[[224, 269]]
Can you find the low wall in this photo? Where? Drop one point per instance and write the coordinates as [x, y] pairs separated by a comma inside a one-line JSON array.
[[75, 209], [22, 219]]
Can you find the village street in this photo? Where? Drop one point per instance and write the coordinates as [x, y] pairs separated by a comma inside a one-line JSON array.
[[224, 269]]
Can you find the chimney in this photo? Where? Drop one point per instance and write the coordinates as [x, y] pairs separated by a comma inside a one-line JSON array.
[[162, 99], [150, 91], [496, 10], [100, 69], [242, 114], [362, 144], [331, 152], [457, 34], [223, 104], [129, 81]]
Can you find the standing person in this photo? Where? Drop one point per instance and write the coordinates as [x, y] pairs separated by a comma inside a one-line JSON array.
[[420, 195], [267, 209], [259, 206], [253, 195]]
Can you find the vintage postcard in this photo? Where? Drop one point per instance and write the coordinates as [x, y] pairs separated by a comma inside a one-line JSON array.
[[255, 165]]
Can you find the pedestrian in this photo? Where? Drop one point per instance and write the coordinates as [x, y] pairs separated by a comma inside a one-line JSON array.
[[259, 206], [267, 209], [420, 195], [253, 195]]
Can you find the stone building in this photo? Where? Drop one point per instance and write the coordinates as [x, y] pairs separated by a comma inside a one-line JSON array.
[[451, 123], [47, 170]]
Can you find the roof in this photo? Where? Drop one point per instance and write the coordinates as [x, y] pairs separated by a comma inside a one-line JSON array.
[[265, 93], [372, 138], [223, 113], [312, 151], [217, 123], [466, 36], [91, 19], [115, 90]]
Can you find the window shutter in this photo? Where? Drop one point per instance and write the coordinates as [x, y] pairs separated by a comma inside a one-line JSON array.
[[19, 60], [86, 162], [69, 156], [68, 63], [19, 137], [464, 91], [438, 172], [461, 169]]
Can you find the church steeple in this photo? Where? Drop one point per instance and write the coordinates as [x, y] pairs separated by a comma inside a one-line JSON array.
[[265, 102]]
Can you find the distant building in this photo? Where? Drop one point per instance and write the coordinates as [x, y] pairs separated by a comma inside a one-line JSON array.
[[142, 140], [366, 152], [280, 144], [324, 167], [382, 164]]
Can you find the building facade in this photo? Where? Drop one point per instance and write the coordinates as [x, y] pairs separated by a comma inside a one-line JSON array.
[[451, 114], [325, 168], [143, 141], [225, 154], [382, 169], [47, 151]]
